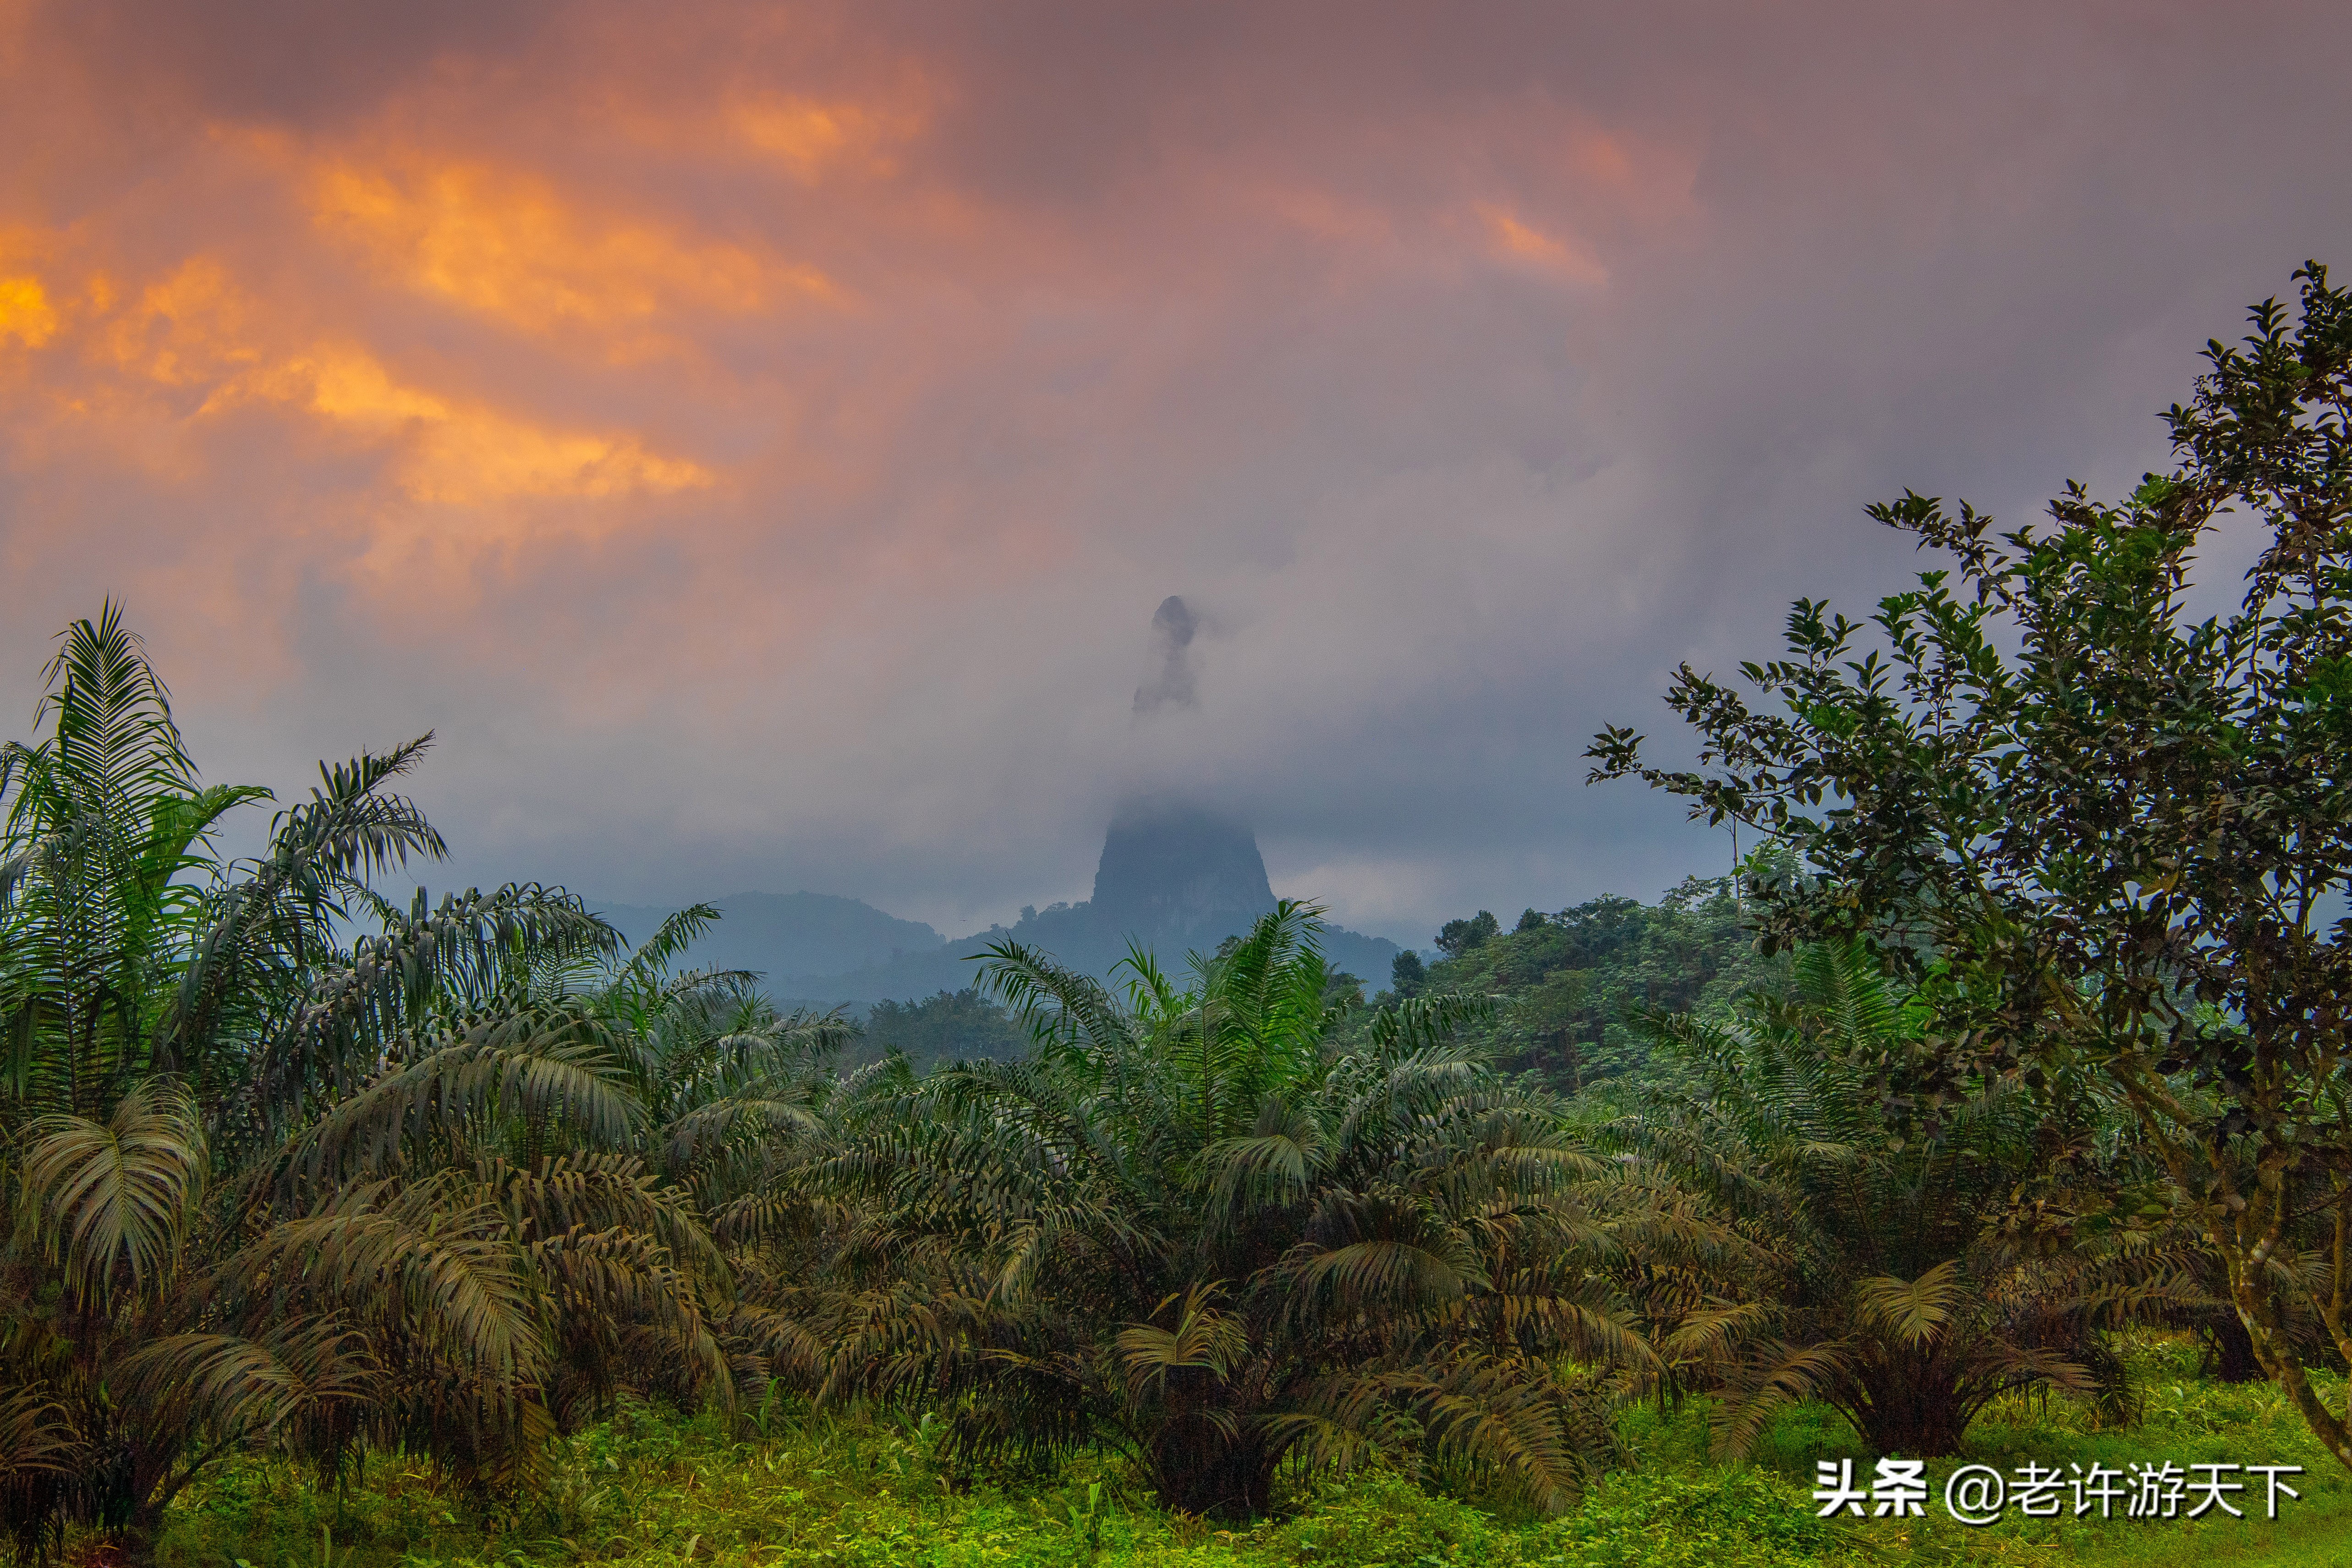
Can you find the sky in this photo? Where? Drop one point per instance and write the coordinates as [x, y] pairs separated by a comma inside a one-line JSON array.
[[760, 441]]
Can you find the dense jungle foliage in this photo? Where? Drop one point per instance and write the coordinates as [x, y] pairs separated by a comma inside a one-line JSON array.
[[949, 1025], [1572, 989], [2000, 1103], [1569, 990]]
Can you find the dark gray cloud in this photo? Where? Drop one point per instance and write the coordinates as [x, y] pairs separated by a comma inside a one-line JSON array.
[[1171, 681]]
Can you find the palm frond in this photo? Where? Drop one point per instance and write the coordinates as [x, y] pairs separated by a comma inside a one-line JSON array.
[[114, 1198], [1203, 1339], [1911, 1311], [1055, 1004]]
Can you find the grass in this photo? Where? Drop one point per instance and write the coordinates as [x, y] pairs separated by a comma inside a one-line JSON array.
[[648, 1492]]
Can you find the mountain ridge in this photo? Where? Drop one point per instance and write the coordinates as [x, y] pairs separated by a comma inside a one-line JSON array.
[[1172, 878]]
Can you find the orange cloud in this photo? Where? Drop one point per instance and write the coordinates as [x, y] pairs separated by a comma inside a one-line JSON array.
[[26, 314], [455, 453], [194, 328], [813, 137], [1512, 238], [197, 331], [508, 245]]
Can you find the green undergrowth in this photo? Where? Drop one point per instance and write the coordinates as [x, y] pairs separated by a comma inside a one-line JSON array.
[[647, 1489]]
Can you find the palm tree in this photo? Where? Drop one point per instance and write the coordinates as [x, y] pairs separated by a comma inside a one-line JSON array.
[[1193, 1225], [269, 1189], [739, 1097], [730, 1084], [1914, 1280]]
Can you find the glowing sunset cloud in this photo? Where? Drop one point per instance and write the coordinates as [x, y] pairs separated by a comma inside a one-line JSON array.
[[505, 245], [199, 338], [756, 437], [459, 456], [25, 312]]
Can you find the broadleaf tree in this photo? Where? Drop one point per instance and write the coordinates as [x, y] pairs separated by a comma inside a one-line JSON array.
[[2109, 836]]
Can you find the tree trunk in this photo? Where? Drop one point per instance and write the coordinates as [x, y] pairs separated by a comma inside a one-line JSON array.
[[134, 1543], [1229, 1482], [2258, 1310], [2231, 1351], [1917, 1417]]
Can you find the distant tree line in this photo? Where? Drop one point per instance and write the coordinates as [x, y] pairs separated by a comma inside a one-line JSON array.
[[1575, 990], [951, 1026]]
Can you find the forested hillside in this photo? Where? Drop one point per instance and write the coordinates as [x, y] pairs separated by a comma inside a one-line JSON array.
[[791, 939], [947, 1026], [1172, 878], [1575, 993], [1571, 988]]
